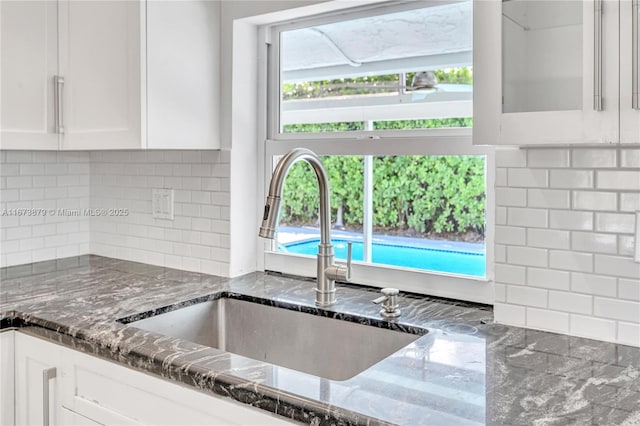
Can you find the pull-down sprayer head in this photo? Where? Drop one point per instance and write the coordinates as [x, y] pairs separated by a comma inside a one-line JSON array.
[[270, 217], [272, 207]]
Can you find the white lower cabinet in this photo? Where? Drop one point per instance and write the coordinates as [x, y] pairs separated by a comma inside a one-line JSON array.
[[80, 389], [6, 378]]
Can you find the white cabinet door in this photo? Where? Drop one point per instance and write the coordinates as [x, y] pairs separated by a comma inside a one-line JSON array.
[[69, 418], [7, 366], [29, 62], [37, 381], [100, 60], [629, 72], [89, 390], [111, 394], [539, 68], [183, 74]]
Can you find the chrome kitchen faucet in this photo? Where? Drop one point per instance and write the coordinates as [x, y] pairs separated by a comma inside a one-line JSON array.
[[328, 271]]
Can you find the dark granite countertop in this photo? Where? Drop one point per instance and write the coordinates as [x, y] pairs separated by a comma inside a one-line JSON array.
[[466, 370]]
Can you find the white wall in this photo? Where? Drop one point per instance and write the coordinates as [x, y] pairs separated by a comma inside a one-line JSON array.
[[564, 241], [44, 183]]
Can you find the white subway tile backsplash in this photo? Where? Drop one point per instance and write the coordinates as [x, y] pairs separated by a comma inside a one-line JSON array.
[[201, 224], [45, 157], [35, 176], [500, 292], [571, 220], [548, 278], [501, 177], [630, 158], [601, 201], [548, 320], [527, 296], [629, 334], [510, 274], [511, 157], [548, 158], [19, 157], [10, 170], [509, 314], [594, 328], [622, 310], [197, 238], [9, 195], [528, 178], [511, 197], [593, 158], [629, 289], [510, 235], [536, 218], [548, 238], [500, 253], [630, 202], [526, 256], [19, 181], [618, 180], [56, 169], [31, 194], [612, 222], [626, 245], [594, 243], [571, 261], [31, 169], [570, 302], [501, 215], [571, 179], [548, 198]]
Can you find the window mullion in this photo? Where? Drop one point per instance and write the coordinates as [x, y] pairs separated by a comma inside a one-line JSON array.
[[367, 221]]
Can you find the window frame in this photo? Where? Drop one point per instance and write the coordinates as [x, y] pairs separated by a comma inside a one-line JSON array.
[[441, 141]]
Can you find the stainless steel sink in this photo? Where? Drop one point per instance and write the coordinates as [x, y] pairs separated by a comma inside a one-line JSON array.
[[325, 347]]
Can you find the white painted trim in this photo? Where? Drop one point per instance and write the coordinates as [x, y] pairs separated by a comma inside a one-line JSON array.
[[379, 108], [417, 142], [423, 282]]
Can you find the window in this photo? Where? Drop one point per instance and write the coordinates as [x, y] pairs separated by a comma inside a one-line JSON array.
[[384, 95]]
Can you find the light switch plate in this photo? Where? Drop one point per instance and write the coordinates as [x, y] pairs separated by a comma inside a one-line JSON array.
[[162, 203]]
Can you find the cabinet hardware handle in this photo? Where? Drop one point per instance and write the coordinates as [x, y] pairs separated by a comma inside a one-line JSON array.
[[47, 375], [58, 85], [634, 55], [597, 53]]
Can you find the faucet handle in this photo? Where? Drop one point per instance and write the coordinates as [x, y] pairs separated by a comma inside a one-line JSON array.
[[341, 271], [349, 247]]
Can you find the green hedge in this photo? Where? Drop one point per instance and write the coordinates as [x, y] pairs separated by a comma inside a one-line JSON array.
[[442, 194]]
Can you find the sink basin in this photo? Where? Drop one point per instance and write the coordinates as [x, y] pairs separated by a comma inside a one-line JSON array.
[[325, 347]]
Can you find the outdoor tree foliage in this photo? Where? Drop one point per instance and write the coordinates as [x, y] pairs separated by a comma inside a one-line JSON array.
[[422, 194]]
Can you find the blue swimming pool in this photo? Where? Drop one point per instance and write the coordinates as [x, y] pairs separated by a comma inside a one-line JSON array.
[[456, 262]]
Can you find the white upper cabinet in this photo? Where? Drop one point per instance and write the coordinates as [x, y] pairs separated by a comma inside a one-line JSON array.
[[91, 75], [549, 72], [629, 71], [183, 74], [29, 58], [100, 61]]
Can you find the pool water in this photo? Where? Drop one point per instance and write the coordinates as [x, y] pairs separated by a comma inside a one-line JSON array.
[[456, 262]]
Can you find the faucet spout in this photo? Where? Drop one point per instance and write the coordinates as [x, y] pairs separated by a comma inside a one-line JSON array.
[[328, 272]]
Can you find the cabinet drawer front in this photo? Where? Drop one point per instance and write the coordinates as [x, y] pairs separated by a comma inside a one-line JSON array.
[[112, 394]]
